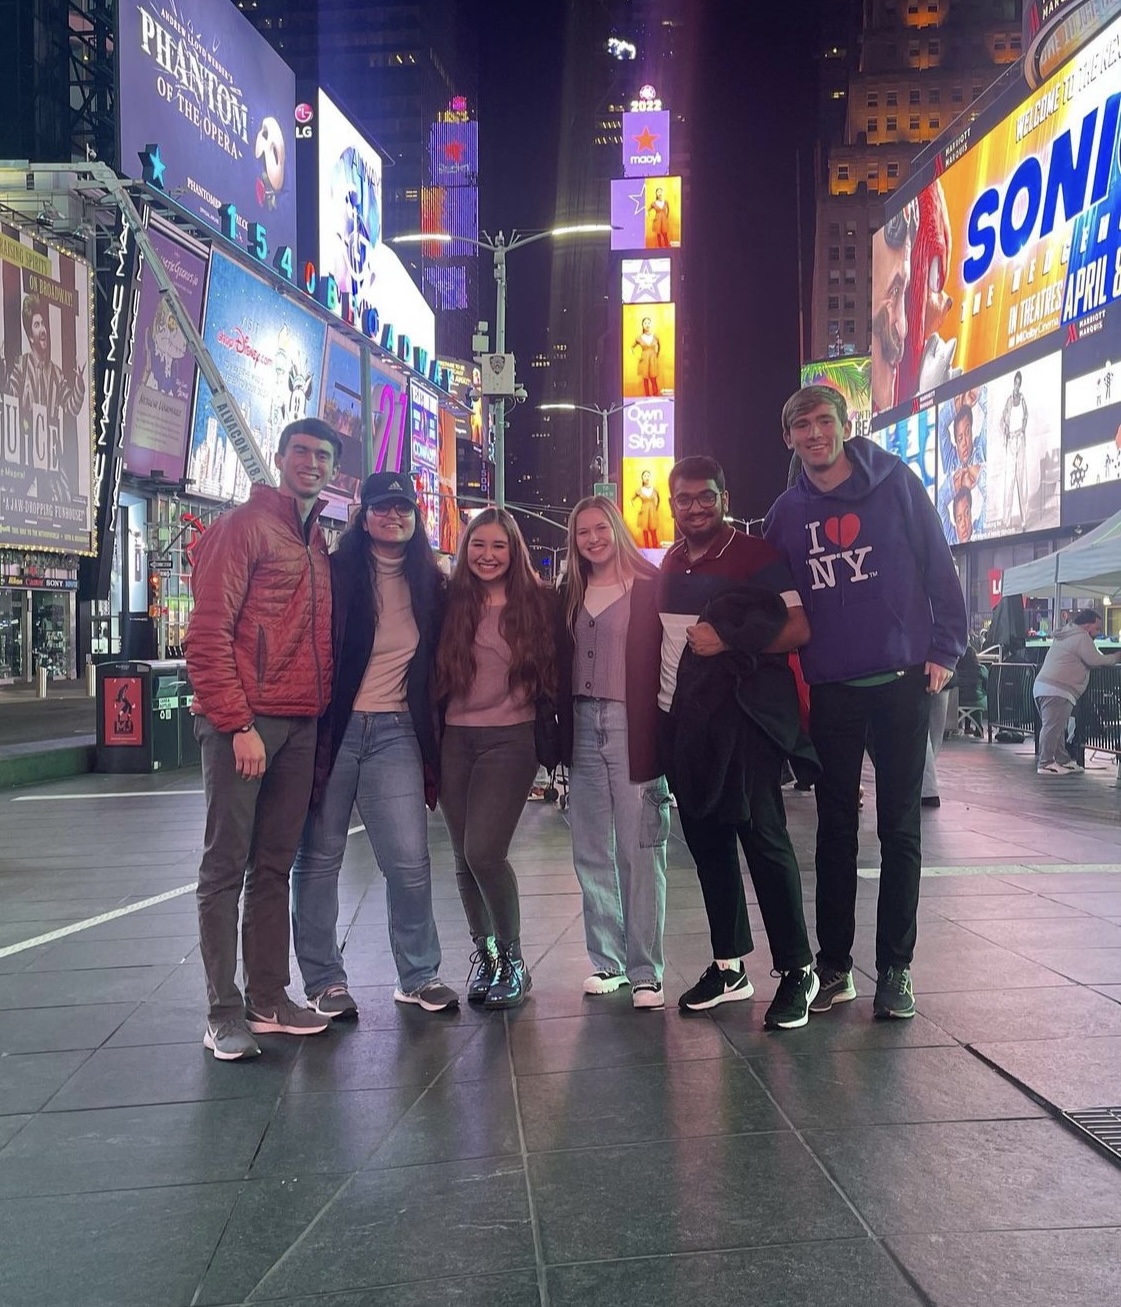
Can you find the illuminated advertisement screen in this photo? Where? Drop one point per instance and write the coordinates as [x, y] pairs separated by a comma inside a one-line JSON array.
[[163, 368], [340, 405], [46, 458], [398, 301], [1091, 474], [648, 350], [646, 215], [424, 457], [270, 354], [646, 281], [389, 409], [349, 205], [449, 509], [466, 377], [851, 376], [200, 82], [1016, 237], [645, 501], [998, 454], [648, 428], [914, 439], [646, 143]]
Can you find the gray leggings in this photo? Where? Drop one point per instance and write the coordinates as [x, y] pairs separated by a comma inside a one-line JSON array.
[[485, 777]]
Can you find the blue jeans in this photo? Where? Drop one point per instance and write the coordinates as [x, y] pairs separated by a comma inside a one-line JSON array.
[[378, 768], [619, 836]]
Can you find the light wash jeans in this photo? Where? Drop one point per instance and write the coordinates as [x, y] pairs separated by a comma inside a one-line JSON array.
[[939, 707], [379, 769], [619, 836]]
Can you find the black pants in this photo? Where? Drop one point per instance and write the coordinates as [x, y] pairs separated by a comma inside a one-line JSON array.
[[770, 861], [895, 718]]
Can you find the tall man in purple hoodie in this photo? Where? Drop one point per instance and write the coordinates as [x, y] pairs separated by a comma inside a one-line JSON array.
[[888, 625]]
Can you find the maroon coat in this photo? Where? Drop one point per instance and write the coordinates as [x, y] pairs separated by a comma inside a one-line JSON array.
[[259, 639]]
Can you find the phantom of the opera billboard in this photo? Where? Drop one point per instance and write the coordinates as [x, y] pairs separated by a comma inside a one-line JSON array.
[[269, 351], [1017, 236], [46, 459], [201, 84]]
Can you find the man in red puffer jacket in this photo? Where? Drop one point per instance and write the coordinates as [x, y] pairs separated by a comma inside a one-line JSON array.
[[259, 658]]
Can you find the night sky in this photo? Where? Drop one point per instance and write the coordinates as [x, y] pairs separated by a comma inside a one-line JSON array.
[[754, 108]]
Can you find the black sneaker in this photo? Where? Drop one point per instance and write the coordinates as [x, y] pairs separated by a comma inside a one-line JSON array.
[[790, 1007], [717, 985], [894, 995]]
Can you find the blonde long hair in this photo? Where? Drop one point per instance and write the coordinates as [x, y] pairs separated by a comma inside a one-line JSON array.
[[629, 563]]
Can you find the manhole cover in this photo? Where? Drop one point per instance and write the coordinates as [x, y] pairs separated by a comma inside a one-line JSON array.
[[1102, 1124]]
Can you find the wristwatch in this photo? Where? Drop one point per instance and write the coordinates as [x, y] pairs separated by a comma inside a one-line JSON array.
[[244, 730]]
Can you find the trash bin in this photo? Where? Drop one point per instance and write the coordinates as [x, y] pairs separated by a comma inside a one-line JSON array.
[[139, 708]]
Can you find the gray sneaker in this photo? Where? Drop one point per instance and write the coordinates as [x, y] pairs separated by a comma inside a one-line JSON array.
[[230, 1040], [836, 987], [894, 995], [335, 1001], [285, 1018], [433, 996]]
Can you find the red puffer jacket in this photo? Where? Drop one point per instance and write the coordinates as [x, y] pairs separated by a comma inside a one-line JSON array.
[[259, 640]]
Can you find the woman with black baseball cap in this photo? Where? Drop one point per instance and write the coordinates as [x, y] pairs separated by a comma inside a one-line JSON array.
[[377, 749]]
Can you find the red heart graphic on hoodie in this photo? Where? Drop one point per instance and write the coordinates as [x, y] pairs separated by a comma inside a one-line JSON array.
[[842, 531]]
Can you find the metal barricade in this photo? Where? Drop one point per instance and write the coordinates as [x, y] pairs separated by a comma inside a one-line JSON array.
[[1011, 703], [1097, 714]]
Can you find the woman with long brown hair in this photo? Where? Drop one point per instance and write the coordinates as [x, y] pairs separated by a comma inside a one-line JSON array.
[[618, 799], [495, 661]]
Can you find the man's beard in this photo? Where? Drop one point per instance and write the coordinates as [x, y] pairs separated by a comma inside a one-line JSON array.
[[704, 536], [891, 342]]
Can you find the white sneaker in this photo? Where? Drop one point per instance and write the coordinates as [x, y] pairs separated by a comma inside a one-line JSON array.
[[604, 982], [1051, 769], [1072, 766], [648, 994]]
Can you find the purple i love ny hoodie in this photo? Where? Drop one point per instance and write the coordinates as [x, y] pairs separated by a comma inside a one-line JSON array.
[[873, 569]]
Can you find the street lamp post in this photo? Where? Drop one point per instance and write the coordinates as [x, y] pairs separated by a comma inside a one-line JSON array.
[[566, 406], [499, 247]]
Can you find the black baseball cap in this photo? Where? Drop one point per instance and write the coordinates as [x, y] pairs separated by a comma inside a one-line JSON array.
[[383, 487]]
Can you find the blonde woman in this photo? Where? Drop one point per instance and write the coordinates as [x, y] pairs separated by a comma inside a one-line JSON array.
[[618, 800]]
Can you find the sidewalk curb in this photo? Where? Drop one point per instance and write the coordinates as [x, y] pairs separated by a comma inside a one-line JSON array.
[[47, 764]]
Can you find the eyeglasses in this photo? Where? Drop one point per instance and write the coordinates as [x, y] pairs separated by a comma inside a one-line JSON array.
[[401, 507], [706, 499]]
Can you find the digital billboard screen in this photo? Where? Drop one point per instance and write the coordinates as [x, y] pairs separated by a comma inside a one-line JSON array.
[[449, 508], [200, 82], [46, 454], [998, 454], [389, 409], [646, 143], [648, 428], [648, 350], [349, 205], [340, 406], [1016, 237], [1091, 473], [269, 351], [424, 457], [646, 281], [159, 412], [646, 214], [914, 439], [646, 501]]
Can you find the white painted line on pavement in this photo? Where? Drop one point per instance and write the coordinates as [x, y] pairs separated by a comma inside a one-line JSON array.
[[73, 929], [112, 794]]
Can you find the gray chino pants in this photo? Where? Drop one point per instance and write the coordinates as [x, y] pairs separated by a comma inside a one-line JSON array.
[[252, 832]]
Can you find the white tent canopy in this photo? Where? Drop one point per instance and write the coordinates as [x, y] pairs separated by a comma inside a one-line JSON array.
[[1092, 563]]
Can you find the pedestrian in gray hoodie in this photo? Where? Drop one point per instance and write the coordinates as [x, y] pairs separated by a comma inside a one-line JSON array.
[[1060, 683]]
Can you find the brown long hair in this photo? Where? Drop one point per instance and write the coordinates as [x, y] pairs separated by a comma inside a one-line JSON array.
[[628, 561], [526, 624]]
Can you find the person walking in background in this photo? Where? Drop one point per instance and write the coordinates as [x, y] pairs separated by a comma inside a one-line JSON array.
[[935, 738], [377, 749], [1060, 683], [888, 625], [618, 801], [259, 658], [729, 718], [496, 660]]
